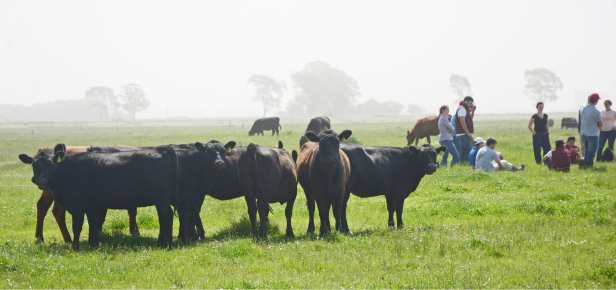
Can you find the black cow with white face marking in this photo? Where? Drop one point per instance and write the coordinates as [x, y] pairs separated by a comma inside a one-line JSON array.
[[394, 172]]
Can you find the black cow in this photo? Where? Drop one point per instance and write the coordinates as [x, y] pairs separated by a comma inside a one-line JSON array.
[[90, 183], [267, 175], [316, 125], [551, 122], [265, 124], [569, 123], [323, 170], [391, 171]]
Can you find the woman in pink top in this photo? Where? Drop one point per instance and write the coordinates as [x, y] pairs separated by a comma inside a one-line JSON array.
[[608, 131]]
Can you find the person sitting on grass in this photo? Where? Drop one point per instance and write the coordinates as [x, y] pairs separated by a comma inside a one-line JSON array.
[[558, 158], [486, 156], [472, 157], [574, 150]]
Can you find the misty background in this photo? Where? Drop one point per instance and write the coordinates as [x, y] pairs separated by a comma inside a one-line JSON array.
[[345, 58]]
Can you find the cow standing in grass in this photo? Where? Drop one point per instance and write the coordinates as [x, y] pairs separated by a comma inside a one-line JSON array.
[[265, 124], [267, 175], [41, 160], [394, 172], [90, 183], [424, 128], [316, 125], [323, 171]]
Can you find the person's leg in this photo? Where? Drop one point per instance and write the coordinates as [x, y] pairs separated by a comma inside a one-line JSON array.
[[456, 142], [451, 148], [602, 139], [511, 167], [610, 139], [537, 148], [582, 146], [466, 145], [446, 155], [545, 144], [592, 144]]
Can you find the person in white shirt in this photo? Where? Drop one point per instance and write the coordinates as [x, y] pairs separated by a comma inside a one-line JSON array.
[[488, 159]]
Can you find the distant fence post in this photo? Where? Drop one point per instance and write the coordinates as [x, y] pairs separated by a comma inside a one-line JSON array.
[[32, 132]]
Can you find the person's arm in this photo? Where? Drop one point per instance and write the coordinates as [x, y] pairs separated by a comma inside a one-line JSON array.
[[547, 126], [448, 126], [530, 124], [500, 165], [473, 108], [546, 157]]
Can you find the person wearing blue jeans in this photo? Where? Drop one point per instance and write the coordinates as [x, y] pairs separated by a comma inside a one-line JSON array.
[[605, 136], [445, 137], [590, 122], [455, 140], [541, 133], [608, 130], [464, 125]]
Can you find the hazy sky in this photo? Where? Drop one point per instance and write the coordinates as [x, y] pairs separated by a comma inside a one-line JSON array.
[[196, 57]]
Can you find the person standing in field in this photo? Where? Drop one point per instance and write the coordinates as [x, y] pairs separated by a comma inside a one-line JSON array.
[[608, 130], [574, 150], [445, 137], [472, 157], [464, 127], [488, 159], [590, 122], [559, 158], [541, 133], [456, 140]]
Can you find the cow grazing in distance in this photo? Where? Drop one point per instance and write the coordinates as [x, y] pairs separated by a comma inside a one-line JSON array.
[[41, 160], [551, 122], [265, 124], [569, 123], [424, 128], [89, 183], [394, 172], [316, 125], [267, 175], [323, 171]]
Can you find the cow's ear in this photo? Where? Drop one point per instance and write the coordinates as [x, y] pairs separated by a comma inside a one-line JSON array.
[[414, 150], [58, 157], [25, 158], [312, 136], [59, 148], [199, 146], [408, 132], [280, 145], [441, 150], [345, 135], [230, 145]]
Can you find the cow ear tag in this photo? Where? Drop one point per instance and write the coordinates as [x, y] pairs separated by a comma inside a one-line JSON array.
[[441, 153], [229, 149], [343, 139], [59, 159]]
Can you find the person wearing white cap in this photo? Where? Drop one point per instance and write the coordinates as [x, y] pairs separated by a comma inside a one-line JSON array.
[[472, 157]]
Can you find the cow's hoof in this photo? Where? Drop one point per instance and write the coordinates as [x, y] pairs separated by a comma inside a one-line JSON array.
[[40, 240], [290, 234]]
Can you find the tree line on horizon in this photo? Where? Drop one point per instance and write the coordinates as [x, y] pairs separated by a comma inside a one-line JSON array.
[[321, 89], [131, 99]]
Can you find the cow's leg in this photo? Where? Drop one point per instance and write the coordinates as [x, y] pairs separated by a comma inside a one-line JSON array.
[[42, 206], [94, 223], [60, 214], [77, 225], [391, 209], [310, 204], [273, 132], [277, 132], [252, 213], [337, 208], [133, 228], [263, 207], [399, 208], [288, 212], [325, 227], [429, 140], [344, 227], [184, 213], [195, 227], [165, 220], [101, 219], [416, 141]]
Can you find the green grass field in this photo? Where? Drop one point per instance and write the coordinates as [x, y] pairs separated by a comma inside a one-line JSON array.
[[463, 229]]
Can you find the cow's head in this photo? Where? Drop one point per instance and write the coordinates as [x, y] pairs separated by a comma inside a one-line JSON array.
[[329, 144], [251, 133], [425, 157], [410, 138], [42, 162], [214, 154]]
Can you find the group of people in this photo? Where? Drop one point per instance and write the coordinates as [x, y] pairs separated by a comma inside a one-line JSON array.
[[595, 128], [457, 135]]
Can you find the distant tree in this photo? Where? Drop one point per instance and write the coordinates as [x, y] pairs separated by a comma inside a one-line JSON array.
[[460, 86], [133, 99], [105, 99], [414, 109], [268, 91], [320, 87], [542, 84]]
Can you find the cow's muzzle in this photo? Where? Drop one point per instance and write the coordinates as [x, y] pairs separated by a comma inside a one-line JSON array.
[[219, 166], [431, 169], [40, 183]]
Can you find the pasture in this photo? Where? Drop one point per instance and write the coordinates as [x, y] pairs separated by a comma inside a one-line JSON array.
[[463, 229]]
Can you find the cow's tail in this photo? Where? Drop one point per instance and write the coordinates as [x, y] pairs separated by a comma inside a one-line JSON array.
[[254, 171], [279, 127], [175, 199], [294, 155]]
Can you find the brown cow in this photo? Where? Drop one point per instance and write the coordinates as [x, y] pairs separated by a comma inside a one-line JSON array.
[[323, 171], [424, 128], [44, 203]]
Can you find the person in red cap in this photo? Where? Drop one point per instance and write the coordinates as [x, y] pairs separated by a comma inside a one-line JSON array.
[[590, 122]]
